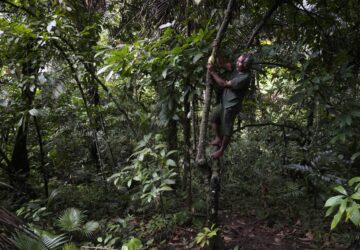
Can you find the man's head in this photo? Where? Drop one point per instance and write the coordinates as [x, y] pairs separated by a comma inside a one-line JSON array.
[[244, 62]]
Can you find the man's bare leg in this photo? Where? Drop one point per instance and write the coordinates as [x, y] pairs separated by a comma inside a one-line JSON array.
[[216, 130], [225, 142]]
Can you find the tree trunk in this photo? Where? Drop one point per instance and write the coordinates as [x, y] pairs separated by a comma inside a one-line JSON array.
[[214, 166], [20, 165], [187, 180]]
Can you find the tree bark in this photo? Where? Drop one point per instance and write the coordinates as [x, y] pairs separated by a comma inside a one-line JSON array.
[[212, 169], [187, 182], [42, 158]]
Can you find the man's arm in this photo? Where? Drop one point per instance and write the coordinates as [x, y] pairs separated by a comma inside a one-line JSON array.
[[221, 82]]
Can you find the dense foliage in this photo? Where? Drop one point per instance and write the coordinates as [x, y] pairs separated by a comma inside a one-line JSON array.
[[100, 105]]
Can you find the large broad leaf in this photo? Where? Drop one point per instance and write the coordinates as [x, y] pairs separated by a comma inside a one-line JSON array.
[[336, 220], [354, 214], [355, 196], [354, 180], [333, 201], [133, 244], [341, 190]]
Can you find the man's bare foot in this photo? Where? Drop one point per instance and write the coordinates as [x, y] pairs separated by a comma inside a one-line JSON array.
[[217, 154], [216, 141]]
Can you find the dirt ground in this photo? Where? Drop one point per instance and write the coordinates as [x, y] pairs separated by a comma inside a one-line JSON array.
[[249, 233]]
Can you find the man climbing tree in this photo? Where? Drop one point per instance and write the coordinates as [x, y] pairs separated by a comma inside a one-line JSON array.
[[234, 91]]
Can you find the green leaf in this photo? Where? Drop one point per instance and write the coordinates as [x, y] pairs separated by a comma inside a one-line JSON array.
[[90, 227], [353, 157], [169, 181], [197, 57], [170, 163], [336, 220], [107, 78], [341, 190], [51, 25], [329, 211], [333, 201], [34, 112], [354, 180], [343, 205], [165, 188], [355, 214], [133, 244], [355, 196], [103, 69], [164, 73]]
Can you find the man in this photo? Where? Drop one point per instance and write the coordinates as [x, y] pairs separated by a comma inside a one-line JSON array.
[[234, 91]]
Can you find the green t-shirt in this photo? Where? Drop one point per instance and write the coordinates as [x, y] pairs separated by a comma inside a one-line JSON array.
[[234, 95]]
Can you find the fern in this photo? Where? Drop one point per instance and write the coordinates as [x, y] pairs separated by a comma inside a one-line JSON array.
[[293, 190]]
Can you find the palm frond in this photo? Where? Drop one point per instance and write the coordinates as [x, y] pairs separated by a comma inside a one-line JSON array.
[[71, 220], [54, 242], [89, 228], [23, 241]]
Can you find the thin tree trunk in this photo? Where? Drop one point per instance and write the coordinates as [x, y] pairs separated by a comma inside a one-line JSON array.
[[187, 182], [214, 166], [194, 121], [200, 157], [42, 158]]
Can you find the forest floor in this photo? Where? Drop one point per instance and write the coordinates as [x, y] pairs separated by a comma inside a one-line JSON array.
[[248, 232]]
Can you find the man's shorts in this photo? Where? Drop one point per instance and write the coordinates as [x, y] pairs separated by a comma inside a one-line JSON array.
[[225, 117]]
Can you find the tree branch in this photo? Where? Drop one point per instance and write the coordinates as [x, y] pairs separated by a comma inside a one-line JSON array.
[[263, 21]]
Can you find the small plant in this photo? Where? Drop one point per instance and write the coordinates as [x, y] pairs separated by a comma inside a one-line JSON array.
[[132, 244], [152, 167], [347, 204], [203, 238], [72, 220]]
